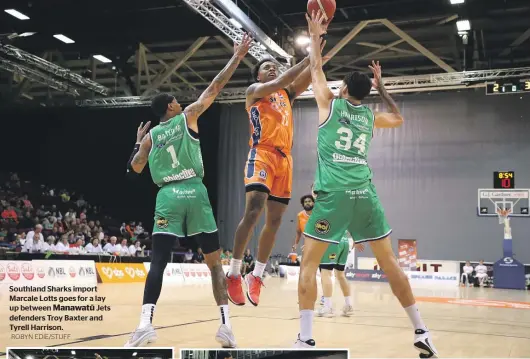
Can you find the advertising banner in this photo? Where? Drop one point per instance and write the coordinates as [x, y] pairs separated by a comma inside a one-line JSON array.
[[407, 254], [65, 272], [17, 272], [431, 266], [366, 275], [196, 273], [121, 272], [450, 279], [48, 272], [172, 273]]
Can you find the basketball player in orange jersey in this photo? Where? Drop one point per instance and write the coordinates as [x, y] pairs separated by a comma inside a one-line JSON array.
[[269, 169]]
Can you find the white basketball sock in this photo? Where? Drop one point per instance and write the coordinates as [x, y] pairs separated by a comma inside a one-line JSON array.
[[235, 267], [146, 318], [327, 302], [347, 300], [306, 324], [259, 269], [225, 315], [415, 317]]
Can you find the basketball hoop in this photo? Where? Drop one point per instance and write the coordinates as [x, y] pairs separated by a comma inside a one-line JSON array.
[[504, 215]]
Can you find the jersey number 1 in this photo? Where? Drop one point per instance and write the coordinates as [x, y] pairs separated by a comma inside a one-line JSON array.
[[345, 142], [173, 154]]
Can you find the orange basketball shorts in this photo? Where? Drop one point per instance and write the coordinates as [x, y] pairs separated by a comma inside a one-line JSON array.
[[270, 170]]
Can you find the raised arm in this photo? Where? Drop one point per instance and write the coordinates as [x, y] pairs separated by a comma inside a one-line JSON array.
[[323, 94], [260, 90], [390, 119], [140, 154], [197, 108], [303, 81]]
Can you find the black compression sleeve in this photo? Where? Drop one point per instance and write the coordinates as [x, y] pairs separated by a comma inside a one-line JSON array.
[[129, 164]]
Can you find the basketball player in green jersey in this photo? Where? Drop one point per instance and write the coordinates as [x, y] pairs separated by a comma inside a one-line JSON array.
[[182, 207], [347, 199]]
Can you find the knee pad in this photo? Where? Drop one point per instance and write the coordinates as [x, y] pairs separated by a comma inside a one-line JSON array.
[[209, 242]]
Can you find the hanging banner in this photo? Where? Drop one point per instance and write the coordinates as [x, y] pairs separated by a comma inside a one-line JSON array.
[[407, 252]]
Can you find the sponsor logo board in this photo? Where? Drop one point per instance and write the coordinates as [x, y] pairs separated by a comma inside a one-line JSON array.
[[121, 272]]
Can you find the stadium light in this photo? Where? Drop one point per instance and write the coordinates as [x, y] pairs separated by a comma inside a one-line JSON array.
[[303, 40], [27, 34], [134, 354], [463, 25], [73, 352], [455, 2], [63, 38], [17, 14], [235, 23], [102, 58]]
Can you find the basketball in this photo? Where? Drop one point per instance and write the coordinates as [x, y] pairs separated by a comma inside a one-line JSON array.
[[327, 7]]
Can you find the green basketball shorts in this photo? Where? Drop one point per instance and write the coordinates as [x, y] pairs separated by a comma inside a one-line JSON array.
[[357, 211], [183, 209], [336, 254]]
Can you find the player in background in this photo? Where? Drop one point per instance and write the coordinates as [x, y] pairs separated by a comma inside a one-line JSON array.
[[334, 262], [347, 199], [182, 206], [307, 202], [269, 169]]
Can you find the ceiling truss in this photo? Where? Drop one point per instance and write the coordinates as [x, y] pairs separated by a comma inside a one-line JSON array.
[[404, 84]]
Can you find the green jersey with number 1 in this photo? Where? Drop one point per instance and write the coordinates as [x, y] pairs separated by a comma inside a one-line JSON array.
[[342, 148], [175, 155]]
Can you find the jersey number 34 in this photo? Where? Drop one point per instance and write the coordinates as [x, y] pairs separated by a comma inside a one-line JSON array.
[[345, 141]]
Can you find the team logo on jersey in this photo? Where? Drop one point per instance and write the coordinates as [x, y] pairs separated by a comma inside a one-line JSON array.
[[161, 145], [333, 256], [262, 174], [344, 121], [322, 226], [162, 222]]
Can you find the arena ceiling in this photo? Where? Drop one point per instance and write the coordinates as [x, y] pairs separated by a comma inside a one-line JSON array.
[[145, 39]]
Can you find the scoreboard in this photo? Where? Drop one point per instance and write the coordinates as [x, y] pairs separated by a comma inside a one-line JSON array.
[[504, 179], [508, 87]]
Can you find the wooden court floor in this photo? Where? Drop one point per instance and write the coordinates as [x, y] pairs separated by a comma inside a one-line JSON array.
[[187, 318]]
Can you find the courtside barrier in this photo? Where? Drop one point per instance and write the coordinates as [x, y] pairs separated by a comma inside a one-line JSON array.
[[121, 272], [48, 272]]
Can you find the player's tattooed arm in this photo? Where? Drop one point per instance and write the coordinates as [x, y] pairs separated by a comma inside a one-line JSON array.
[[197, 108], [385, 119], [141, 157], [323, 94], [140, 154]]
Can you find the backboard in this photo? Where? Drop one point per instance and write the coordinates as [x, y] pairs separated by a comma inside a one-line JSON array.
[[491, 200]]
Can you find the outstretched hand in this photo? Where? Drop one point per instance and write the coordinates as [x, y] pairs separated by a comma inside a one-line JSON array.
[[142, 131], [316, 24], [241, 49], [376, 70]]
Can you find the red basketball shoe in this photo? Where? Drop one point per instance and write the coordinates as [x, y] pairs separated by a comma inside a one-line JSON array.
[[254, 285], [235, 289]]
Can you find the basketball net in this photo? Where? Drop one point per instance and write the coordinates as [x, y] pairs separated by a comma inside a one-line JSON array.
[[504, 215]]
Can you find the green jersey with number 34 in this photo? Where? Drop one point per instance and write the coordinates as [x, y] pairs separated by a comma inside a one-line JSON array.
[[342, 148], [175, 155]]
